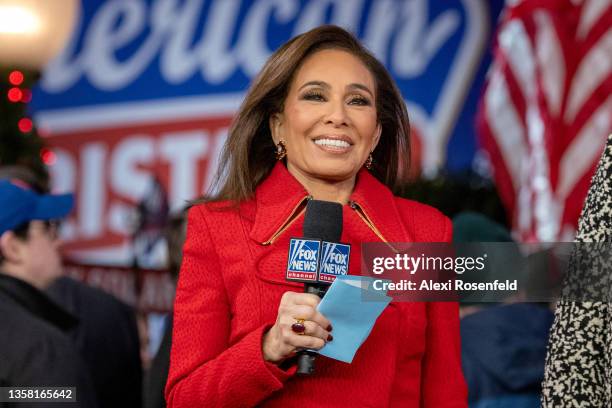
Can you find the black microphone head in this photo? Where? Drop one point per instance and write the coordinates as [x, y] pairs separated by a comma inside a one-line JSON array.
[[323, 220]]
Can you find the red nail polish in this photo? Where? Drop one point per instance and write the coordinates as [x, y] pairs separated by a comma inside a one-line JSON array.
[[329, 328], [330, 337]]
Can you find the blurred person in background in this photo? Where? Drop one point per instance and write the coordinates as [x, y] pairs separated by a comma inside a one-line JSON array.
[[157, 375], [323, 120], [503, 346], [104, 332], [36, 348], [107, 338]]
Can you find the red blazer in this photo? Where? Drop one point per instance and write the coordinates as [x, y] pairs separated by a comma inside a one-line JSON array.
[[230, 285]]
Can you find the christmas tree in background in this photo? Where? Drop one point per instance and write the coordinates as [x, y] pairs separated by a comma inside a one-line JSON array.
[[20, 142]]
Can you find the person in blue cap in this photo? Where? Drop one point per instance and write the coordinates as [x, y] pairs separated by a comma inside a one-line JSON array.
[[29, 241], [35, 350]]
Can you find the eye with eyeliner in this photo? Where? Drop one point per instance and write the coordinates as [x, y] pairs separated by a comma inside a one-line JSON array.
[[318, 96], [359, 100], [313, 95]]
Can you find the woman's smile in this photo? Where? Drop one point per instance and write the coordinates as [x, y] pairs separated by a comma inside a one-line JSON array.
[[334, 144]]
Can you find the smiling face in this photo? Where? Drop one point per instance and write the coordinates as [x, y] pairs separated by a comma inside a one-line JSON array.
[[329, 122]]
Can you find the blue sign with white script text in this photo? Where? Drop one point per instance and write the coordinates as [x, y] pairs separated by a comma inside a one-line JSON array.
[[147, 89], [169, 51]]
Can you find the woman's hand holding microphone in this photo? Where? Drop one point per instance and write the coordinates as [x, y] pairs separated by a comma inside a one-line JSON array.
[[298, 326]]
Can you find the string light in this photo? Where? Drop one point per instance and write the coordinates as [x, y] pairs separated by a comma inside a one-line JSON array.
[[16, 78], [48, 157], [14, 94], [25, 125]]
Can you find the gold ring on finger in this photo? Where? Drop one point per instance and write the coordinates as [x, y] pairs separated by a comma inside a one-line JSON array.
[[298, 327]]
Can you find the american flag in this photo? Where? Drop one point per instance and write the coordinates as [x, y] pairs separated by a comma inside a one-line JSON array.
[[546, 110]]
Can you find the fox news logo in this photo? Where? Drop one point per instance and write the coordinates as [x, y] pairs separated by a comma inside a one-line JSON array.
[[334, 261], [303, 263]]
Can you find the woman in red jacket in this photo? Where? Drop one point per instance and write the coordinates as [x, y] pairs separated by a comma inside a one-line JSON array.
[[322, 120]]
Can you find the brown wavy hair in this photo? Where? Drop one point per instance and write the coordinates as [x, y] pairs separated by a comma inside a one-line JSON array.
[[248, 154]]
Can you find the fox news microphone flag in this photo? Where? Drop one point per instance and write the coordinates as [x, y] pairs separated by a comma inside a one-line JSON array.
[[318, 258]]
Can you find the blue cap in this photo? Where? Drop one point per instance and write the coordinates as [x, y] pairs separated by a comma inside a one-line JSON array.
[[19, 204]]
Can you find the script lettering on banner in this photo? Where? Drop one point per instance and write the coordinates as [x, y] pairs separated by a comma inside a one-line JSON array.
[[148, 89]]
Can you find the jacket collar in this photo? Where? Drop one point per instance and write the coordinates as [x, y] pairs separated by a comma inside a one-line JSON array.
[[379, 204], [278, 196], [36, 302]]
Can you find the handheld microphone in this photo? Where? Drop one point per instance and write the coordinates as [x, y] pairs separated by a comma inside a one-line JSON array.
[[323, 221], [317, 258]]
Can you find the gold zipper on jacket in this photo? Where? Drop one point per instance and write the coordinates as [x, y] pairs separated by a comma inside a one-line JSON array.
[[292, 217], [362, 214], [290, 220]]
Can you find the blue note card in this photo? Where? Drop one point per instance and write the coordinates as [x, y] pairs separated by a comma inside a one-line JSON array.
[[352, 307]]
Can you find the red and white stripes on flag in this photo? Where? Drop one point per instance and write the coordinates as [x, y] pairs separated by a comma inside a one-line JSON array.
[[546, 110]]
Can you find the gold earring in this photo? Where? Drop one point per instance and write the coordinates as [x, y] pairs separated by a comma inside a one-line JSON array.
[[369, 161], [281, 150]]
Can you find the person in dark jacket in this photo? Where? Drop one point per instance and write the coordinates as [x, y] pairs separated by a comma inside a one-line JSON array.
[[156, 377], [503, 346], [503, 351], [106, 335], [107, 338], [36, 350]]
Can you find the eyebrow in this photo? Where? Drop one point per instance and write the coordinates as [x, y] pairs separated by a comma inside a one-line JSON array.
[[325, 85]]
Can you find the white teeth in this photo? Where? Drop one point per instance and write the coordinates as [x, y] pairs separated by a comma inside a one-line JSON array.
[[332, 142]]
